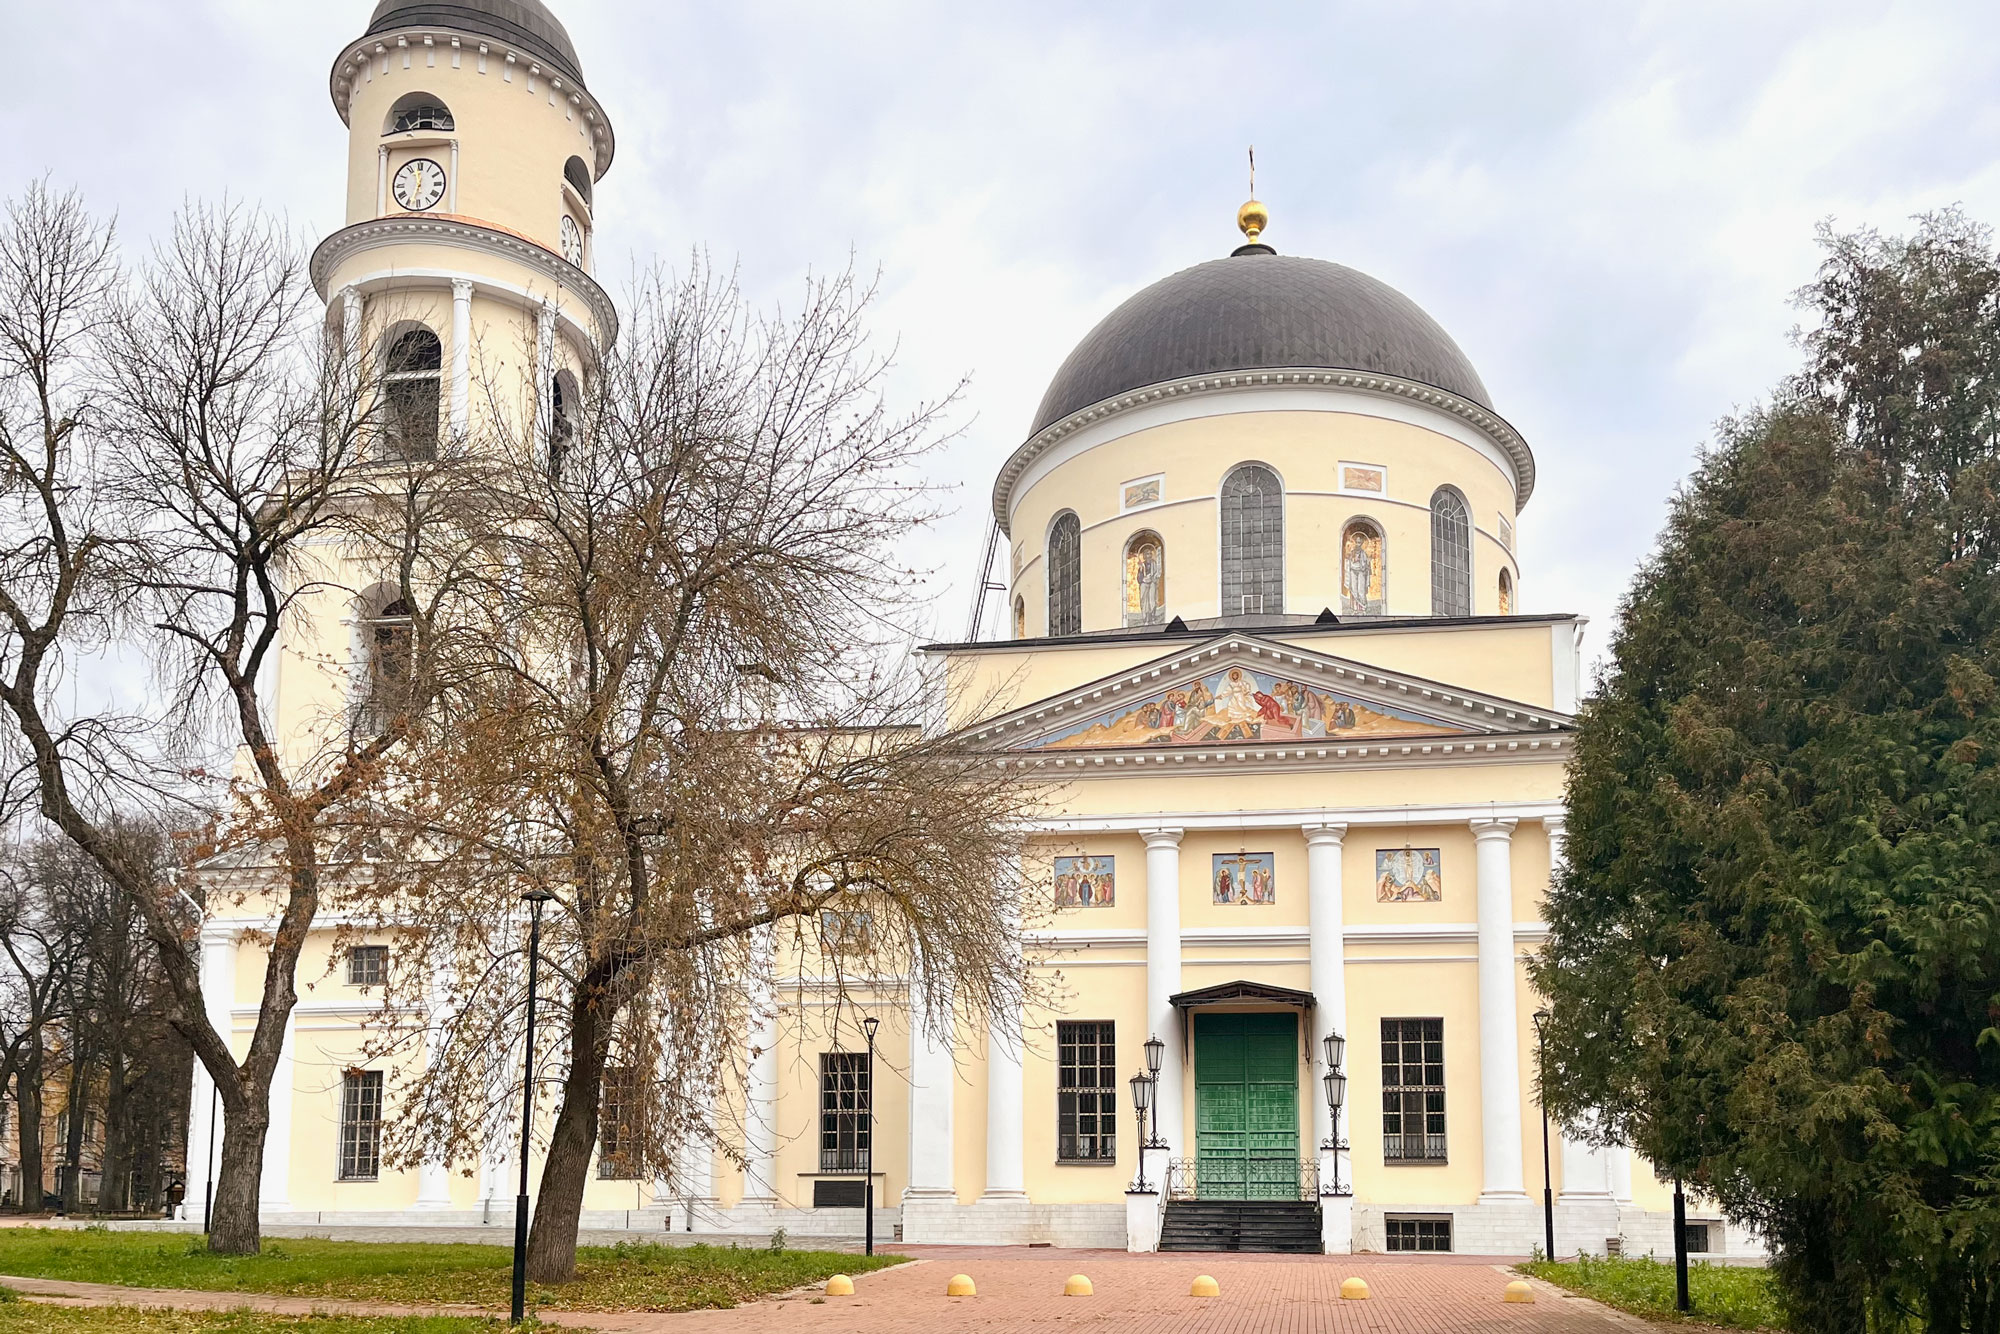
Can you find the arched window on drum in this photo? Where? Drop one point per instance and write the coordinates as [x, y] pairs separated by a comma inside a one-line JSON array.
[[1066, 575], [388, 647], [1253, 542], [1145, 574], [1451, 554]]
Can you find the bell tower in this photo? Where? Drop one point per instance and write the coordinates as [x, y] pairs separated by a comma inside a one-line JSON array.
[[474, 152]]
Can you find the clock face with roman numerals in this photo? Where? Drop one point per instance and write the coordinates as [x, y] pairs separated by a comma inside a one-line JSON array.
[[420, 185], [572, 241]]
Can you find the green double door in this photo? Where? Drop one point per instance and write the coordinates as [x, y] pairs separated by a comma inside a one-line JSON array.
[[1246, 1085]]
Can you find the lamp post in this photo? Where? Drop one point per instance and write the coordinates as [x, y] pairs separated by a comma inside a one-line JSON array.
[[1156, 1055], [1142, 1101], [1548, 1186], [868, 1026], [1681, 1301], [1335, 1081], [534, 898]]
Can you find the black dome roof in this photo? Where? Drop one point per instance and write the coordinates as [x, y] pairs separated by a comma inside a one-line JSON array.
[[1258, 311], [525, 25]]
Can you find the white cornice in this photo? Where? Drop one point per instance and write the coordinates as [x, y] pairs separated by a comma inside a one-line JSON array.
[[1357, 933], [1489, 425], [367, 58], [435, 229], [1303, 817]]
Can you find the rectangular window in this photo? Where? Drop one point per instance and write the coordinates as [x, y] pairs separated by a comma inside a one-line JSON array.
[[1086, 1093], [617, 1137], [361, 1125], [1419, 1234], [843, 1111], [1697, 1238], [367, 965], [1413, 1090]]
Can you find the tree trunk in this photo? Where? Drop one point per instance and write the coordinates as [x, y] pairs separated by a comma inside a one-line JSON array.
[[114, 1186], [234, 1225], [566, 1170], [76, 1112], [29, 1082]]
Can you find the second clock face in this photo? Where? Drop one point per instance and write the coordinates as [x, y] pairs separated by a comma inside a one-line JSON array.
[[572, 241], [420, 185]]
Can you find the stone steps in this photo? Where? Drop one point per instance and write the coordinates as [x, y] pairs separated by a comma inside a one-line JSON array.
[[1270, 1226]]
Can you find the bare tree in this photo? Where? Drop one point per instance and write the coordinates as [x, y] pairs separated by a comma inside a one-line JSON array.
[[702, 740], [42, 950], [177, 456]]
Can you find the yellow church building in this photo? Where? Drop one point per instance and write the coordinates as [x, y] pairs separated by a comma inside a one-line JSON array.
[[1264, 633]]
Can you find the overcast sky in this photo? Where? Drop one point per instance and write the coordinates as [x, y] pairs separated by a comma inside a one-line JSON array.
[[1607, 205]]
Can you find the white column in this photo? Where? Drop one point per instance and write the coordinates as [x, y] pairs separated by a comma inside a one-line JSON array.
[[1006, 1176], [1163, 970], [274, 1188], [931, 1077], [218, 997], [434, 1177], [1621, 1174], [1499, 1045], [1328, 945], [351, 306], [545, 373], [760, 1089], [461, 357]]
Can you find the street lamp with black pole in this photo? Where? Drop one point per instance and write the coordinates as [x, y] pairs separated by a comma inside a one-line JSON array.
[[1142, 1100], [1681, 1301], [535, 899], [868, 1026], [1548, 1186], [1156, 1056], [1335, 1081]]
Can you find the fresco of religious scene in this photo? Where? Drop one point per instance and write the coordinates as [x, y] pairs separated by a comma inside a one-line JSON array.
[[1086, 882], [1245, 877], [1361, 571], [1243, 704], [1408, 875]]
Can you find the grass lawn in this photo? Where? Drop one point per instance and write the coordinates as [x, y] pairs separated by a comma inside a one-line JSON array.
[[21, 1317], [609, 1278], [1735, 1296]]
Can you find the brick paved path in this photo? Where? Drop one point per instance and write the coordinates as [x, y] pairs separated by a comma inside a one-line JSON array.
[[1022, 1290], [1149, 1295]]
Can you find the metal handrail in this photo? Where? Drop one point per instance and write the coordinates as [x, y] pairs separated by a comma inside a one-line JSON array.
[[1184, 1184]]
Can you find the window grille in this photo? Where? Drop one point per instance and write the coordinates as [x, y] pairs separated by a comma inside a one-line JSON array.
[[1253, 542], [617, 1125], [1451, 555], [1086, 1092], [360, 1125], [1413, 1127], [843, 1111], [1065, 575], [423, 116], [412, 388], [367, 965], [1697, 1238], [1419, 1234]]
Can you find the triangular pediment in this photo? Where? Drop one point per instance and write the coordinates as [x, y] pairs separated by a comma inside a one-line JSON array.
[[1239, 688]]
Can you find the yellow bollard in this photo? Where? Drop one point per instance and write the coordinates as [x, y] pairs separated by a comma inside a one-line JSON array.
[[1205, 1287], [1078, 1286], [1353, 1290], [960, 1286], [840, 1285], [1519, 1291]]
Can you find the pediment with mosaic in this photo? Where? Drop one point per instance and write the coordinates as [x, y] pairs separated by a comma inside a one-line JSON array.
[[1243, 704]]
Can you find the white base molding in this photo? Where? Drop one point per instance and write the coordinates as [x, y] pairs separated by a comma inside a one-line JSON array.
[[995, 1223]]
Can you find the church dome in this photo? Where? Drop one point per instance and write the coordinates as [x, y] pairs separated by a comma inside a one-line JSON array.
[[1257, 310], [525, 25]]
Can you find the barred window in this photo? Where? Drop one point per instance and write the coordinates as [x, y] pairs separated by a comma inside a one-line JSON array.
[[1086, 1092], [367, 965], [1419, 1234], [1413, 1090], [1451, 554], [617, 1125], [844, 1098], [1253, 542], [361, 1125], [412, 389], [1065, 575]]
